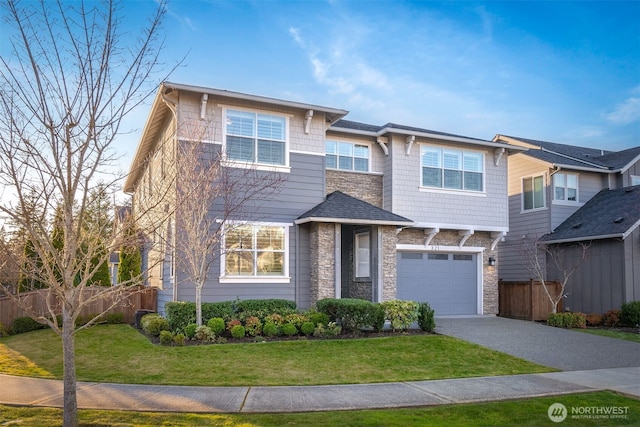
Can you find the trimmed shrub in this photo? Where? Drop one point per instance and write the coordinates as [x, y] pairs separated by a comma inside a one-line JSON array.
[[289, 329], [166, 338], [253, 326], [352, 314], [329, 331], [296, 318], [190, 330], [232, 323], [204, 333], [270, 306], [567, 320], [4, 331], [318, 318], [276, 319], [611, 318], [180, 314], [270, 329], [25, 324], [179, 339], [217, 325], [426, 317], [594, 319], [630, 314], [307, 328], [153, 324], [114, 318], [237, 331], [401, 314]]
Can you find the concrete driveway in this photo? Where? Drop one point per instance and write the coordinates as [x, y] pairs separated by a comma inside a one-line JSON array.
[[555, 347]]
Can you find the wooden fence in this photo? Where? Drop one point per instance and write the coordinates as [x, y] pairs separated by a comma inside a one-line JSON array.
[[527, 300], [133, 299]]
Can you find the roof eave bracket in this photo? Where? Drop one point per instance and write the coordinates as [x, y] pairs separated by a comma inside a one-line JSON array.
[[382, 142], [409, 141], [465, 234]]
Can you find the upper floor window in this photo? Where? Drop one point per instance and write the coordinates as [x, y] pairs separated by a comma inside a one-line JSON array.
[[255, 250], [347, 156], [565, 187], [533, 192], [256, 138], [635, 180], [451, 169]]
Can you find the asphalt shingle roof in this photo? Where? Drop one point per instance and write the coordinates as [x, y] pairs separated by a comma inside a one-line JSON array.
[[348, 124], [573, 155], [608, 213], [340, 206]]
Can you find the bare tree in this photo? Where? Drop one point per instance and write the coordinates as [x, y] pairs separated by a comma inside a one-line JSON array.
[[212, 199], [541, 257], [64, 91]]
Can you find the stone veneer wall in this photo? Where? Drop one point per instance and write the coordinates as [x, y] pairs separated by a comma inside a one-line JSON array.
[[479, 239], [322, 245], [389, 263], [362, 186]]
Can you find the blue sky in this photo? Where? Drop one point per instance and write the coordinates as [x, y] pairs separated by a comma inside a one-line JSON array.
[[561, 71]]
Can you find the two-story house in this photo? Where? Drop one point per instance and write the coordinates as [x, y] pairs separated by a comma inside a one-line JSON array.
[[364, 211], [565, 195]]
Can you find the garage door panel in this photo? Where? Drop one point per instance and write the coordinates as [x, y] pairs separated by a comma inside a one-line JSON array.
[[448, 282]]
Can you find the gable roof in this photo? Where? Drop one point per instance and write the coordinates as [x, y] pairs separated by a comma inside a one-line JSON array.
[[574, 156], [342, 208], [160, 110], [365, 129], [609, 214]]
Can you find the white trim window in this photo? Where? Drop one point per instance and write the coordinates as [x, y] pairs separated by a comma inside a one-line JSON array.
[[256, 138], [255, 250], [362, 258], [347, 156], [451, 169], [565, 187], [635, 180], [533, 193]]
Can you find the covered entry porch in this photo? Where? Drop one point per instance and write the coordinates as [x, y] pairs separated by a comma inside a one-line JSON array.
[[352, 249]]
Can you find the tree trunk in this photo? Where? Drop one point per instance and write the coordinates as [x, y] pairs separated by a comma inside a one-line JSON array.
[[70, 402], [198, 305]]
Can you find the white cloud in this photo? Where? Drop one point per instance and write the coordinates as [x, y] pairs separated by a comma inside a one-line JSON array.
[[627, 111]]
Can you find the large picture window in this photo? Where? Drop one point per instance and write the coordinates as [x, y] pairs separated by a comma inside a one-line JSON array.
[[255, 250], [451, 169], [256, 138], [565, 187], [347, 156], [533, 192]]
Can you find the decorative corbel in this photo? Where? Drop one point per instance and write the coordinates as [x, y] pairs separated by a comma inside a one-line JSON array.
[[410, 140], [497, 155], [430, 233], [497, 237], [307, 121], [382, 142], [203, 106], [465, 234]]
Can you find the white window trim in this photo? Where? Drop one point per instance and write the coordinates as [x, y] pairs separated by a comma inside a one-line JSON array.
[[259, 166], [357, 257], [223, 278], [365, 143], [565, 201], [544, 192], [455, 191]]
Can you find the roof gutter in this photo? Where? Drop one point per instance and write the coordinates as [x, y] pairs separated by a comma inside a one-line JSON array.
[[353, 221]]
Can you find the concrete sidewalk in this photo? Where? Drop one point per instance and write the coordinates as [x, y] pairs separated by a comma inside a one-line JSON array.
[[42, 392]]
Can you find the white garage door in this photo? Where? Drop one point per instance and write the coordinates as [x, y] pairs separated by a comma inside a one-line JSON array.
[[448, 282]]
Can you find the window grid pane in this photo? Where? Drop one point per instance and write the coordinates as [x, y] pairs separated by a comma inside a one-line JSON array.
[[451, 169], [255, 251]]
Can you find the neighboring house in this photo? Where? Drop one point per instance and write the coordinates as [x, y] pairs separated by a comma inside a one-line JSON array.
[[550, 186], [373, 212]]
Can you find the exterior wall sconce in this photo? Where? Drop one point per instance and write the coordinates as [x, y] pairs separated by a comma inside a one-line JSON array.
[[492, 261]]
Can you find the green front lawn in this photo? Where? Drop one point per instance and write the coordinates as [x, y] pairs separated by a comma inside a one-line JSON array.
[[118, 353], [529, 412], [612, 333]]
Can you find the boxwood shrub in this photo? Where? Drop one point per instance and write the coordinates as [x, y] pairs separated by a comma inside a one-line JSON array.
[[352, 314], [630, 313], [426, 317], [153, 324], [25, 324]]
